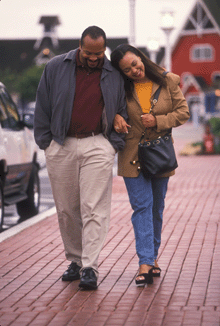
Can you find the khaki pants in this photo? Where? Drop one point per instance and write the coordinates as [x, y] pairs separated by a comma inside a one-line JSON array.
[[80, 173]]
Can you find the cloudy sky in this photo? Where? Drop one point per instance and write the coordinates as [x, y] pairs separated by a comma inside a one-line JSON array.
[[19, 18]]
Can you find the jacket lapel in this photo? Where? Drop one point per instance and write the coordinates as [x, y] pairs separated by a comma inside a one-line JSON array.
[[136, 97], [154, 89]]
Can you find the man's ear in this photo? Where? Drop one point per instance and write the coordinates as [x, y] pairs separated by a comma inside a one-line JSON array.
[[80, 47]]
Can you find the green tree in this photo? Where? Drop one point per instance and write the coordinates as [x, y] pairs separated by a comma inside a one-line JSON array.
[[28, 83], [10, 79], [24, 84]]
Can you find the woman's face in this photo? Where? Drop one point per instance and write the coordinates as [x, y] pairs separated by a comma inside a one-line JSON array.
[[132, 66]]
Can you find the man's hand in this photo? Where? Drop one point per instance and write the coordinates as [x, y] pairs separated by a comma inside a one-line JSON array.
[[120, 124], [148, 120]]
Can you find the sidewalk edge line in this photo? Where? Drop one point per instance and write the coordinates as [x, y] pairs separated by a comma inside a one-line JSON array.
[[20, 227]]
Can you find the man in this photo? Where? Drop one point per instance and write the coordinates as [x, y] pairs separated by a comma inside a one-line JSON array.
[[78, 96]]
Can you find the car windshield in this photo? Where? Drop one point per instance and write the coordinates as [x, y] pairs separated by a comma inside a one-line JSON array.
[[9, 117]]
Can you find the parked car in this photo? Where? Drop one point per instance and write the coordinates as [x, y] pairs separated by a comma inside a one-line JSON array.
[[19, 180]]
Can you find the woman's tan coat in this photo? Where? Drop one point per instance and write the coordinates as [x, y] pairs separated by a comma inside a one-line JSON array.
[[170, 111]]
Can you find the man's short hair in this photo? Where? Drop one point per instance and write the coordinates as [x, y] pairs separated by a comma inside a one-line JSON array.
[[94, 32]]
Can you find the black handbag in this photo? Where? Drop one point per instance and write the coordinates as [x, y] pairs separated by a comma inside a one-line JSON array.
[[157, 156]]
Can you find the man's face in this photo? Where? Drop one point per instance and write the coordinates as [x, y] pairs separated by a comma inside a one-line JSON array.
[[92, 51]]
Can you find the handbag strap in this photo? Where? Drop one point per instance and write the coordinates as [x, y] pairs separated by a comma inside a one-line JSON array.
[[157, 93], [156, 96]]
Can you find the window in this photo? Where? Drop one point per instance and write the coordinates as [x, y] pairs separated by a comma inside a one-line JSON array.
[[3, 116], [202, 52], [9, 117]]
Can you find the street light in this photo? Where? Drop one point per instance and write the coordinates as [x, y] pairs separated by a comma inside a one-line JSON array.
[[167, 25], [153, 47]]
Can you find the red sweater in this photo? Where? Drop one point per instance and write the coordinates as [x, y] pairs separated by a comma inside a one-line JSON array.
[[88, 101]]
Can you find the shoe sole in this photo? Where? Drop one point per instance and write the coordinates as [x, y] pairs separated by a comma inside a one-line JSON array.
[[156, 274], [87, 286], [143, 283], [70, 279]]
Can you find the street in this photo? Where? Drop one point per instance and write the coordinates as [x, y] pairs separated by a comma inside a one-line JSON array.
[[46, 201]]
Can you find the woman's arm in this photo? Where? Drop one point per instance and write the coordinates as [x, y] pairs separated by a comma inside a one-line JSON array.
[[180, 111]]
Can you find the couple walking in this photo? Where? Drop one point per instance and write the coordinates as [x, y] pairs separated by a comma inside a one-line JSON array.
[[87, 110]]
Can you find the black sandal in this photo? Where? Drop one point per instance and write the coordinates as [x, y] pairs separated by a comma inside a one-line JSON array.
[[157, 274], [148, 278]]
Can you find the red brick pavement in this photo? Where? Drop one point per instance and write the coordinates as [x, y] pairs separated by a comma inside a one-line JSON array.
[[187, 293]]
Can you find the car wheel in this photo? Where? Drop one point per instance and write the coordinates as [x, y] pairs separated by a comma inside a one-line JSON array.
[[30, 206], [1, 206]]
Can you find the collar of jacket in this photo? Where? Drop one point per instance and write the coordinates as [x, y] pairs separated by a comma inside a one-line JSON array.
[[71, 55]]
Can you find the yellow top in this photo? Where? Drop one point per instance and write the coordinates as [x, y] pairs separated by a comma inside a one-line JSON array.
[[144, 91]]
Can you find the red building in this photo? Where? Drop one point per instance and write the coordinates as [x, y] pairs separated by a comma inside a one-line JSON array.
[[196, 57]]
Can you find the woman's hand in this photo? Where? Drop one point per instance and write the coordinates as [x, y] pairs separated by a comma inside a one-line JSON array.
[[148, 120], [120, 124]]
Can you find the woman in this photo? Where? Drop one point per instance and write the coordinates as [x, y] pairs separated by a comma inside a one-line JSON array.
[[142, 78]]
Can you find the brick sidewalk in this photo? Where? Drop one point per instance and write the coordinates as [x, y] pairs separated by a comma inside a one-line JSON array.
[[187, 293]]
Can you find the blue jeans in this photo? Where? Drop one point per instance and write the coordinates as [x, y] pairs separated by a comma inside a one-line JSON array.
[[147, 198]]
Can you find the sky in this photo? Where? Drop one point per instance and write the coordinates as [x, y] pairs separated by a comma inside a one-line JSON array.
[[19, 18]]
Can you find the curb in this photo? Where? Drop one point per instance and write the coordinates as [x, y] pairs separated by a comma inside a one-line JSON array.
[[20, 227]]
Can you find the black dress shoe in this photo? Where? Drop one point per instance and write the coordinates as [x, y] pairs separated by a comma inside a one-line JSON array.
[[72, 272], [88, 280]]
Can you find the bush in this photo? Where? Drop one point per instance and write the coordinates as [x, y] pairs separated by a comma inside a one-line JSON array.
[[25, 83], [215, 128], [215, 125], [10, 79], [28, 83]]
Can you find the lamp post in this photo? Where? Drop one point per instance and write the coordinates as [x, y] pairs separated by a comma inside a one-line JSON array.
[[167, 25], [153, 47], [132, 22]]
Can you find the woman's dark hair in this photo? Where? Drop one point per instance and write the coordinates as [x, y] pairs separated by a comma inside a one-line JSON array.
[[94, 32], [152, 70]]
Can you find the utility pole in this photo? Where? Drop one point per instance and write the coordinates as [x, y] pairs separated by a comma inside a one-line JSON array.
[[167, 21], [132, 40]]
